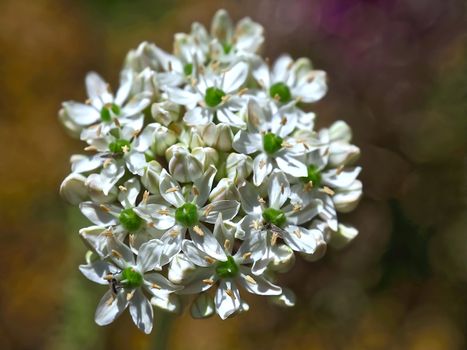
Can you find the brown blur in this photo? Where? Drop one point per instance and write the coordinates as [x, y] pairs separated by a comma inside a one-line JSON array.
[[397, 74]]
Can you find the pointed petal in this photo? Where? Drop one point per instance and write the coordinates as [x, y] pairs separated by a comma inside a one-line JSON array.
[[227, 299], [110, 307], [141, 311], [258, 284], [278, 190]]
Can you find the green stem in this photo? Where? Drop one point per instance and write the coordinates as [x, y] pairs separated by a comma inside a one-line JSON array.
[[161, 333]]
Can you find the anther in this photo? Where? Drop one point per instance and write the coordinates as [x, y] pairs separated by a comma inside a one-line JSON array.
[[198, 230]]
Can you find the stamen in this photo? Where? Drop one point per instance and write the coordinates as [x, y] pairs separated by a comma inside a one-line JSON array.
[[283, 121], [298, 233], [110, 300], [155, 286], [107, 162], [208, 281], [282, 188], [104, 208], [242, 91], [91, 149], [130, 295], [125, 149], [174, 232], [198, 230], [246, 255], [195, 191], [339, 169], [274, 238], [122, 188], [230, 293], [117, 123], [172, 189], [250, 279], [145, 197], [227, 244], [116, 254], [208, 209], [296, 208], [261, 200], [209, 260], [327, 190], [108, 277], [163, 212]]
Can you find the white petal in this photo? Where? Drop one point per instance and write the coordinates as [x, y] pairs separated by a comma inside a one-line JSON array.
[[126, 81], [80, 113], [291, 165], [306, 213], [170, 190], [128, 196], [204, 184], [300, 239], [120, 253], [136, 104], [207, 243], [313, 89], [345, 200], [97, 270], [95, 239], [235, 77], [149, 255], [250, 199], [278, 190], [227, 208], [286, 299], [136, 163], [183, 97], [262, 167], [225, 115], [198, 282], [194, 254], [73, 189], [97, 215], [281, 69], [141, 311], [227, 299], [258, 284], [342, 179], [83, 164], [158, 285], [203, 306], [110, 307], [197, 116], [247, 142]]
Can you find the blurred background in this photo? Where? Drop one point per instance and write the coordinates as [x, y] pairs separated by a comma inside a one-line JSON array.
[[397, 74]]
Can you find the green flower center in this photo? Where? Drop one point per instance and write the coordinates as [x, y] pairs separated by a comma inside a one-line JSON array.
[[314, 176], [272, 143], [188, 69], [131, 278], [130, 220], [227, 269], [187, 215], [281, 92], [213, 96], [274, 216], [108, 110], [119, 146], [227, 47]]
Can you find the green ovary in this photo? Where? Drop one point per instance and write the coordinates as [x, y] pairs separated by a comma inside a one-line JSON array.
[[187, 215], [272, 143], [119, 146], [274, 216], [213, 96], [227, 269], [313, 175], [281, 92], [130, 220], [108, 110], [131, 278]]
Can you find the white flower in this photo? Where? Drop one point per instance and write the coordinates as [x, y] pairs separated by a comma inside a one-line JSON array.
[[213, 96], [290, 81], [281, 216], [185, 209], [215, 264], [120, 220], [103, 110], [267, 137], [129, 279]]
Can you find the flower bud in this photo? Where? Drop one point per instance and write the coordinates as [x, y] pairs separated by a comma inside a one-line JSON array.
[[73, 129], [145, 82], [340, 131], [219, 136], [283, 258], [165, 112], [150, 178], [203, 306], [239, 167], [346, 199], [318, 229], [286, 299], [342, 153], [225, 190], [73, 189], [95, 187], [206, 155], [180, 269], [343, 236], [183, 166]]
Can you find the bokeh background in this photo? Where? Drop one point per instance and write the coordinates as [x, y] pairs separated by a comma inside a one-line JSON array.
[[397, 74]]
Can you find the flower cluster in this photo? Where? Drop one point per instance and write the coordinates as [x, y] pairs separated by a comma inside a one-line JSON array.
[[203, 175]]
